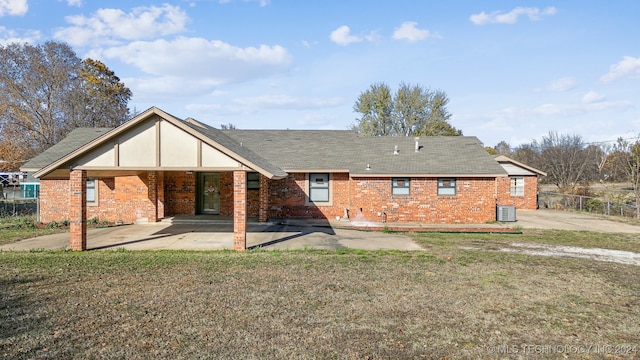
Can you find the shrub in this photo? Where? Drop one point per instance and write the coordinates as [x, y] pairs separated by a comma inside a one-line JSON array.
[[594, 205]]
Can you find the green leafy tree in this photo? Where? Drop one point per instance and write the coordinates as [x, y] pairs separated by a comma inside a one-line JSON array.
[[105, 97], [376, 107], [46, 91], [412, 110]]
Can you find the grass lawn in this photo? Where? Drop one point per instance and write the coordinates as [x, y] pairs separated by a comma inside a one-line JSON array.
[[21, 227], [444, 302]]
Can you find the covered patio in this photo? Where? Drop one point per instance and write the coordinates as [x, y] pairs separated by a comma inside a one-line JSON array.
[[129, 165]]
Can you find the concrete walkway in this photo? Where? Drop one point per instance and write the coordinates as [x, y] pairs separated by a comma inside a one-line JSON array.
[[161, 236], [195, 234], [569, 220]]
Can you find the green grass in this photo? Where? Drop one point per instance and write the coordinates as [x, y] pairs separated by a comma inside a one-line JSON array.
[[14, 228], [443, 302]]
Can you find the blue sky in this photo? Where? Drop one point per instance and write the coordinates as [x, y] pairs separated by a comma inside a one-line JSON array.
[[513, 70]]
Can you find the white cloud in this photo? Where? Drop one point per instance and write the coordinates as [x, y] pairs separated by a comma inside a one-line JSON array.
[[111, 25], [76, 3], [562, 84], [259, 104], [628, 67], [288, 102], [197, 64], [559, 110], [13, 7], [410, 32], [592, 97], [8, 36], [512, 16], [262, 3], [342, 36]]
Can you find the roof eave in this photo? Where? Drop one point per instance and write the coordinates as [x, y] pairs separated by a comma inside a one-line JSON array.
[[504, 158], [369, 174]]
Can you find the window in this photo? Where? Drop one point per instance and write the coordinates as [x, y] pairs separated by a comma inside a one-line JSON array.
[[400, 186], [446, 186], [517, 186], [253, 181], [319, 187], [92, 192]]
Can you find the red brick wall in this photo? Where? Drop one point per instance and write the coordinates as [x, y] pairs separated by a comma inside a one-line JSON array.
[[54, 200], [288, 198], [179, 193], [226, 197], [126, 198], [123, 198], [528, 201], [474, 201]]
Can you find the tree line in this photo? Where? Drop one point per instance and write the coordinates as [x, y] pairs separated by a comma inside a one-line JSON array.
[[46, 91], [570, 162]]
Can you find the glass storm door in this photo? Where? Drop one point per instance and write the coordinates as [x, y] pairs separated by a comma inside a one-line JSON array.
[[209, 193]]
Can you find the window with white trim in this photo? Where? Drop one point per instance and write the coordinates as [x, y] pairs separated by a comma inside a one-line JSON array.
[[400, 186], [319, 187], [516, 187], [253, 181], [446, 186], [92, 192]]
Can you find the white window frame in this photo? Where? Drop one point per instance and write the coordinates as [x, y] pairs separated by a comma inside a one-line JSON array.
[[400, 186], [447, 187], [92, 188], [516, 185], [312, 184]]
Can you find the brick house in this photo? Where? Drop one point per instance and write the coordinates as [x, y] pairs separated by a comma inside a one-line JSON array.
[[158, 166]]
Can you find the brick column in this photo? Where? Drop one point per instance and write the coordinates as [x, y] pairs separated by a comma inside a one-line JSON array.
[[239, 210], [263, 212], [161, 199], [152, 191], [78, 210]]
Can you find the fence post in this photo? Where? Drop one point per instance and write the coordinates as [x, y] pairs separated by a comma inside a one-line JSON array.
[[608, 207], [580, 200]]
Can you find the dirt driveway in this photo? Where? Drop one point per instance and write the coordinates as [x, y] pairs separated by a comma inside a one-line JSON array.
[[567, 220]]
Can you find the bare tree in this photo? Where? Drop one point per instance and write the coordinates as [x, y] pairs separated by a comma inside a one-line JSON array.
[[46, 91], [503, 148], [564, 158], [228, 126], [629, 159]]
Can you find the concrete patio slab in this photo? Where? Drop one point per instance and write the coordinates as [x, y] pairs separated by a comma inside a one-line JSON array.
[[165, 236]]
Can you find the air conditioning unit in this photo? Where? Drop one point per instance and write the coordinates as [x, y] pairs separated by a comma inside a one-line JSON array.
[[506, 213]]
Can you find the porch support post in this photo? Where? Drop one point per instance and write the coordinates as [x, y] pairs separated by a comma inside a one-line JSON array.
[[78, 210], [160, 191], [152, 189], [239, 210], [263, 211]]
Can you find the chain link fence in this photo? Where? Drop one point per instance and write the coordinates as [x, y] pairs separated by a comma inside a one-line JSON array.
[[16, 201], [551, 200]]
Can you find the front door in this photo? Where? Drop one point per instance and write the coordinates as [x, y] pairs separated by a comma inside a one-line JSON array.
[[209, 192]]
